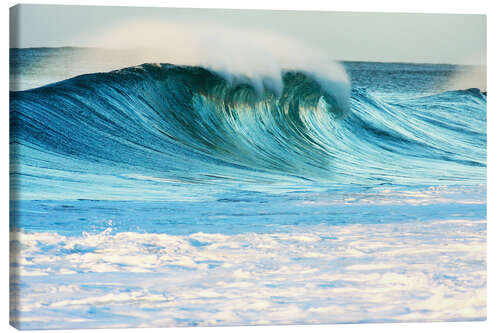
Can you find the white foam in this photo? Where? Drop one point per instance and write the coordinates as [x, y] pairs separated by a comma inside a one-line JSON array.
[[423, 197], [323, 274]]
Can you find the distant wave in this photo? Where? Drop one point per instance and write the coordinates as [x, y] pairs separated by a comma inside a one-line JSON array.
[[189, 124]]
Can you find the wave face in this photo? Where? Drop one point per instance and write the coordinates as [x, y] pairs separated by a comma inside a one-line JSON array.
[[144, 130]]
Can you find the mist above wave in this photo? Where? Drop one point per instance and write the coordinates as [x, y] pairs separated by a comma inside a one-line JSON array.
[[253, 57]]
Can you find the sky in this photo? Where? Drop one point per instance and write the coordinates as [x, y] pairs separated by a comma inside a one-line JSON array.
[[358, 36]]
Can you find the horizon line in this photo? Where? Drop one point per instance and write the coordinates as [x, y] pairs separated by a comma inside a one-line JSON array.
[[333, 59]]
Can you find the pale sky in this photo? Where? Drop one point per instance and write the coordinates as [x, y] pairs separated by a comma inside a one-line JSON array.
[[426, 38]]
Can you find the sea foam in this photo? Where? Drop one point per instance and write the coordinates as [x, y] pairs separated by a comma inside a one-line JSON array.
[[321, 274]]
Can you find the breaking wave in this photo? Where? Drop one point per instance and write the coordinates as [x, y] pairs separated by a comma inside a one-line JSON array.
[[188, 124]]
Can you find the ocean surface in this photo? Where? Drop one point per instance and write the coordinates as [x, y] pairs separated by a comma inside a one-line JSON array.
[[170, 195]]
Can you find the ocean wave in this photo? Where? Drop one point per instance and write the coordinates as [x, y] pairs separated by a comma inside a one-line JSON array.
[[192, 125]]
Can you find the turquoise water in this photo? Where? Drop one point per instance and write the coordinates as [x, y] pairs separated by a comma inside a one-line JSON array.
[[164, 195]]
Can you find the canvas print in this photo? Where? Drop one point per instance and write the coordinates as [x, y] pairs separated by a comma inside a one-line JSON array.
[[210, 167]]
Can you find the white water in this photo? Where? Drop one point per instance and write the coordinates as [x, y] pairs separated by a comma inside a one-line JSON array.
[[426, 271]]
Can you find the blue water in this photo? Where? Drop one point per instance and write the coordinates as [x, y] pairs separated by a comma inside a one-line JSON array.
[[122, 179], [238, 213]]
